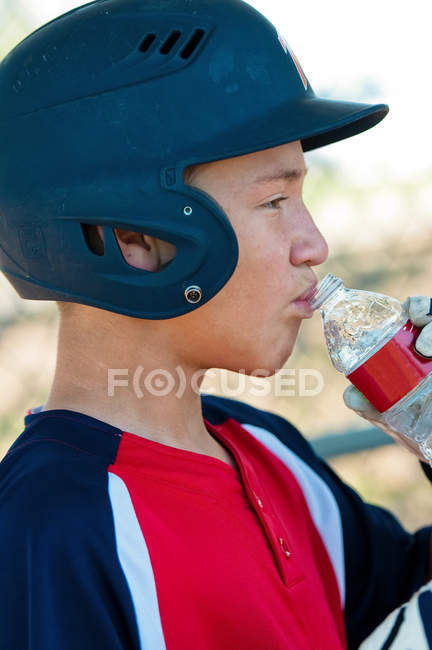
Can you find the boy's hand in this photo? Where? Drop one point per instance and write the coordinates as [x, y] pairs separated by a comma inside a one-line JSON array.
[[419, 310]]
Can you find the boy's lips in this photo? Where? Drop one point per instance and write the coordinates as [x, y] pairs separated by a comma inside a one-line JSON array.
[[301, 303], [307, 295]]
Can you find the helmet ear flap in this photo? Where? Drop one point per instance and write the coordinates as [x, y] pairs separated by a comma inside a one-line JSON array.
[[195, 227]]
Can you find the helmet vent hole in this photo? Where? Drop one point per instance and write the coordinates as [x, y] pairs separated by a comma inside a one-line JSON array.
[[193, 43], [94, 241], [143, 251], [147, 42], [170, 42]]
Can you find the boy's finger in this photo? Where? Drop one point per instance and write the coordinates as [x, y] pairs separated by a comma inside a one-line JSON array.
[[419, 310], [355, 400], [358, 403], [423, 344]]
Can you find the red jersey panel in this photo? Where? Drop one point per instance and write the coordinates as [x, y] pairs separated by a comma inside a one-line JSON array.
[[236, 559]]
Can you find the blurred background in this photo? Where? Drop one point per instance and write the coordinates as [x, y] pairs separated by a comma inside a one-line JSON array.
[[370, 195]]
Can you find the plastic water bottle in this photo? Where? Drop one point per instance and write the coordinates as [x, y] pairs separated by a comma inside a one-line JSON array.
[[371, 340]]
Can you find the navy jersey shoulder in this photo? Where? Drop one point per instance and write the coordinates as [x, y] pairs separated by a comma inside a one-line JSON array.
[[59, 562], [58, 556]]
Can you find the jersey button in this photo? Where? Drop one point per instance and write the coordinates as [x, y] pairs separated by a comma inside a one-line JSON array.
[[284, 547], [259, 502]]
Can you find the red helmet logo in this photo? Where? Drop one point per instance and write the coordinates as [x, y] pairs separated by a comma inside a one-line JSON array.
[[289, 51]]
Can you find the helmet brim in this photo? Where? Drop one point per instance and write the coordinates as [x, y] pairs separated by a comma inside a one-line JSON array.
[[330, 121], [314, 121]]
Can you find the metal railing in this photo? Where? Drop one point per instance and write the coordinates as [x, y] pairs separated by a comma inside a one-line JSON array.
[[349, 442]]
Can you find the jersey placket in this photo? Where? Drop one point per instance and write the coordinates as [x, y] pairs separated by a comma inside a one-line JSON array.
[[287, 565]]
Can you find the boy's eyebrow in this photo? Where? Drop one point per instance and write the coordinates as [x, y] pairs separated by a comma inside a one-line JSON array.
[[280, 174]]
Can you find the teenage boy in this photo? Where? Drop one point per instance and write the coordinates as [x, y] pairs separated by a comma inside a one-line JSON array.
[[153, 188]]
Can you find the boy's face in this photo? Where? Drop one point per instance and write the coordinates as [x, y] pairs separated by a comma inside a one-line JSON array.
[[252, 323]]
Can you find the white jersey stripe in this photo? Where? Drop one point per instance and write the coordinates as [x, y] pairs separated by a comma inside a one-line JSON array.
[[409, 634], [322, 504], [135, 562]]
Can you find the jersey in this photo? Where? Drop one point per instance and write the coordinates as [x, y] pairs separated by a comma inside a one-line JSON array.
[[112, 540], [408, 627]]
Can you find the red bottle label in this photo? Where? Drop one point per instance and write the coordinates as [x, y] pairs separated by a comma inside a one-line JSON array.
[[393, 370]]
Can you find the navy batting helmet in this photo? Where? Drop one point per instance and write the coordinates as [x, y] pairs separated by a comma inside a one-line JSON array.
[[103, 109]]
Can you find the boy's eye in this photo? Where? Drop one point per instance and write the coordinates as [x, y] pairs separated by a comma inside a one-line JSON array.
[[275, 204]]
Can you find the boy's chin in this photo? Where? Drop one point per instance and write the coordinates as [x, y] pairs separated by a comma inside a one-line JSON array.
[[258, 371], [261, 363]]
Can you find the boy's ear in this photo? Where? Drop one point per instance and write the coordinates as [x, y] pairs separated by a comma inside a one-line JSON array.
[[141, 251]]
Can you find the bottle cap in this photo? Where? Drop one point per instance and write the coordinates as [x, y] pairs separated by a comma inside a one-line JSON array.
[[326, 288]]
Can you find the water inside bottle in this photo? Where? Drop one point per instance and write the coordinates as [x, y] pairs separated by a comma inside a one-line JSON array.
[[356, 323]]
